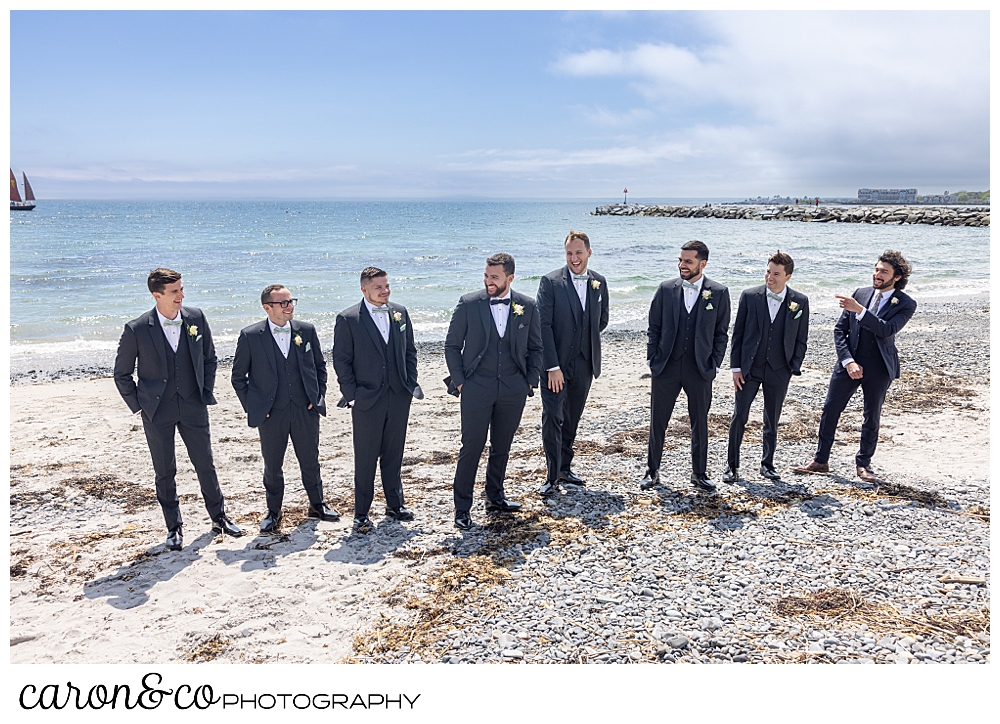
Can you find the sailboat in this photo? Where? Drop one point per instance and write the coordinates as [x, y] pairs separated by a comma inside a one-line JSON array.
[[15, 198]]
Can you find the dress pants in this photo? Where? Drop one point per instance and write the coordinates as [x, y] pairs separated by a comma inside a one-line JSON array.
[[775, 383], [302, 425], [190, 418], [680, 374], [561, 412], [493, 406], [874, 383], [379, 439]]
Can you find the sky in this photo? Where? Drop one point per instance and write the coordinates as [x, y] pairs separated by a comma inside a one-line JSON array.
[[498, 104]]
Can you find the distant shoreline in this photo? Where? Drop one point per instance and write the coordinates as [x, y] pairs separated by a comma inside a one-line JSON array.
[[849, 214]]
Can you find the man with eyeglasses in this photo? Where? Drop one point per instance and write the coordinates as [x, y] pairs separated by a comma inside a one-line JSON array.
[[172, 345], [376, 363], [279, 374]]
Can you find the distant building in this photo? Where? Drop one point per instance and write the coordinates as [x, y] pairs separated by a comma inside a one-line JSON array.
[[887, 196]]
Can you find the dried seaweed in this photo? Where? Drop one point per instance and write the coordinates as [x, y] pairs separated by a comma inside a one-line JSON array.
[[209, 649]]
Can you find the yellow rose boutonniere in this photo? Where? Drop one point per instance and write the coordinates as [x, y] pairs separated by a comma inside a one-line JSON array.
[[518, 310], [298, 340]]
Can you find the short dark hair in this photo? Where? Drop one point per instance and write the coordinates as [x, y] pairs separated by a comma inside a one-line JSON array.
[[577, 235], [265, 296], [699, 247], [784, 260], [900, 267], [504, 260], [371, 272], [160, 278]]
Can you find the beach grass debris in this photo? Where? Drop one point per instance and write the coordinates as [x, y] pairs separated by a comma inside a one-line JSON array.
[[208, 649]]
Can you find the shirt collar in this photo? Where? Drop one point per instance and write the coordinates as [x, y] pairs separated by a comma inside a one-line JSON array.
[[505, 296], [885, 295], [164, 320], [275, 326], [782, 294], [370, 305], [699, 283]]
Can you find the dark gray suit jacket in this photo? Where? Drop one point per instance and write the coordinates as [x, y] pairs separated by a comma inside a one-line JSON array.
[[752, 318], [893, 318], [469, 334], [359, 355], [560, 315], [142, 340], [255, 368], [711, 335]]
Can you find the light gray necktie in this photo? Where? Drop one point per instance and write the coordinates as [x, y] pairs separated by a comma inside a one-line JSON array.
[[876, 303]]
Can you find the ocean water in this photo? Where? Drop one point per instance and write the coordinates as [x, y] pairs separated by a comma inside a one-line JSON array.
[[78, 268]]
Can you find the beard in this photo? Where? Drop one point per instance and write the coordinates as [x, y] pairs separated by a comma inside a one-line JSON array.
[[499, 292]]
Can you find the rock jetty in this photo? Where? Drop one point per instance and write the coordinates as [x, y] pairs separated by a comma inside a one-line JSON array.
[[933, 215]]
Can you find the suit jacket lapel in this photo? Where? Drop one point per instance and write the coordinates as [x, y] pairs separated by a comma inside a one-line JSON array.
[[159, 339], [369, 323], [486, 315], [267, 339], [396, 338], [763, 312], [193, 347], [574, 298], [678, 304]]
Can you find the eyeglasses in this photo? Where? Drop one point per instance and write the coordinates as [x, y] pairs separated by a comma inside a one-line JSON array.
[[284, 302]]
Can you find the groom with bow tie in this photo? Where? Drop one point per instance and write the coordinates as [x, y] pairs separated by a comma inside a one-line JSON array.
[[376, 363], [279, 374], [494, 353], [573, 311], [172, 345]]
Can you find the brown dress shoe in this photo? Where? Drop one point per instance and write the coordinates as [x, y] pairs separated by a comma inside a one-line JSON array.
[[812, 468], [867, 475]]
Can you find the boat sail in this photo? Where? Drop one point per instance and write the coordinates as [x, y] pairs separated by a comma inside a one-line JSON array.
[[15, 197]]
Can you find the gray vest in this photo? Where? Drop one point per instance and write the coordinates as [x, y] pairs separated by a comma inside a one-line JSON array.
[[498, 361], [771, 350], [684, 340], [392, 365], [180, 370], [290, 387]]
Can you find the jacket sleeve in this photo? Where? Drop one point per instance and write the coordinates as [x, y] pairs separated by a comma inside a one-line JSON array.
[[605, 305], [544, 302], [241, 369], [842, 335], [411, 351], [534, 365], [801, 340], [124, 367], [453, 342], [721, 330], [317, 352], [211, 361], [888, 327], [343, 357], [739, 331], [655, 323]]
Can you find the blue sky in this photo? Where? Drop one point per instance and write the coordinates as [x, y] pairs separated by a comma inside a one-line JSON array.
[[497, 104]]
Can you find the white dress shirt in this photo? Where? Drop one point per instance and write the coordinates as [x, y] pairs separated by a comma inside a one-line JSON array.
[[381, 319], [284, 340], [172, 331], [691, 295], [501, 313], [885, 300], [581, 289]]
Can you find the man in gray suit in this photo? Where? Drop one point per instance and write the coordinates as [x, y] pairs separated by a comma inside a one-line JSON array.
[[172, 345], [769, 343], [688, 332], [376, 363], [494, 354], [279, 374]]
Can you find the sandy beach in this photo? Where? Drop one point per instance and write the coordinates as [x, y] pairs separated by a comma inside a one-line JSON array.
[[818, 569]]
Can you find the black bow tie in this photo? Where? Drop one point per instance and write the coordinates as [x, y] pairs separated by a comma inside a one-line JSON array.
[[500, 301]]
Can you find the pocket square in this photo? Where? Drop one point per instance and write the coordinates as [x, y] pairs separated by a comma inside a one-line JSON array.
[[308, 346], [798, 315]]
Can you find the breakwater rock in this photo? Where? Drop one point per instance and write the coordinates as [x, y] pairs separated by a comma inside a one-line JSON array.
[[933, 215]]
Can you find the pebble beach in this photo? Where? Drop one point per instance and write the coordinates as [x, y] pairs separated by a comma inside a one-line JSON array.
[[810, 569]]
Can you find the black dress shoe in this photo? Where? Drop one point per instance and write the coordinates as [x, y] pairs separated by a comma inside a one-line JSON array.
[[323, 513], [175, 540], [769, 473], [502, 506], [651, 479], [550, 487], [223, 525], [730, 475], [463, 521], [399, 513], [271, 522], [702, 482], [568, 477], [362, 523]]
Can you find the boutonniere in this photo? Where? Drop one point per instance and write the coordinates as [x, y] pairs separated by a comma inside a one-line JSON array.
[[894, 301], [793, 306], [398, 316], [518, 310], [706, 295], [193, 332], [595, 284], [298, 340]]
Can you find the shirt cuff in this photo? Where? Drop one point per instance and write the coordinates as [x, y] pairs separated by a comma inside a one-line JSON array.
[[860, 314], [735, 369], [552, 369], [846, 362]]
